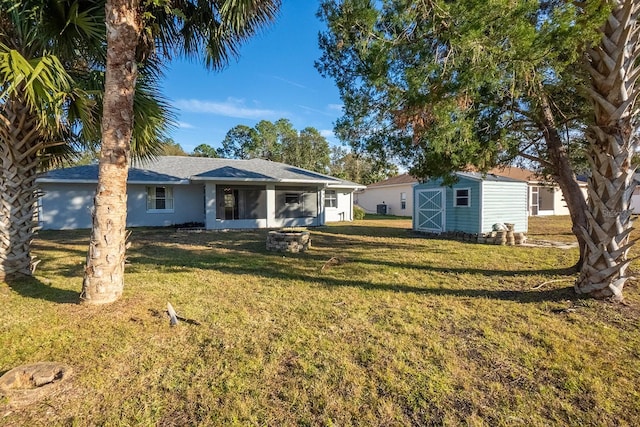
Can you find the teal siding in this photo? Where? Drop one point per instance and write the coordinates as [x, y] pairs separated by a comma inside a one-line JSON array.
[[464, 218], [505, 202], [491, 202], [458, 218]]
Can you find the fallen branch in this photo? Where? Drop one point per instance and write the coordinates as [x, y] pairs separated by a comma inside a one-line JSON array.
[[333, 261]]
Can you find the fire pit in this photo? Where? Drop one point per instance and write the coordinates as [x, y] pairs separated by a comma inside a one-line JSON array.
[[288, 241]]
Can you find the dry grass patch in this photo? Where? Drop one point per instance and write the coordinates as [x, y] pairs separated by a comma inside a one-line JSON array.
[[404, 331]]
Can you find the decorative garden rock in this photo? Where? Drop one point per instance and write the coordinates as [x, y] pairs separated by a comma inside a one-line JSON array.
[[288, 241]]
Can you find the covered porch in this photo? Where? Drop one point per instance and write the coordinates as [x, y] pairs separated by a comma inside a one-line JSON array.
[[242, 205]]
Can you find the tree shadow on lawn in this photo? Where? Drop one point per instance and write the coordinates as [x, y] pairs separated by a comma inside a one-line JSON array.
[[272, 265], [32, 287]]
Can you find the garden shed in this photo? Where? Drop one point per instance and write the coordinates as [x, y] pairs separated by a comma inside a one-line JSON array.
[[474, 204]]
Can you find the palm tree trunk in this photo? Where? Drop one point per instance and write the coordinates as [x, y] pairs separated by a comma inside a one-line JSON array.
[[104, 274], [612, 143], [19, 142]]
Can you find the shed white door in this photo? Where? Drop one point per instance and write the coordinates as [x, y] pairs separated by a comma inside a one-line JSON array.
[[430, 210]]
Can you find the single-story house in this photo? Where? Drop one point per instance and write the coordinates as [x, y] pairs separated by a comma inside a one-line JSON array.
[[392, 196], [472, 205], [217, 193], [544, 197]]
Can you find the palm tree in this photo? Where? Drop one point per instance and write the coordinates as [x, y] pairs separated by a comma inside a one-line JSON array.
[[216, 28], [614, 70], [51, 79], [39, 102]]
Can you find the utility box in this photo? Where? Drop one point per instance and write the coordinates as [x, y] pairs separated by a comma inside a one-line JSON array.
[[381, 209]]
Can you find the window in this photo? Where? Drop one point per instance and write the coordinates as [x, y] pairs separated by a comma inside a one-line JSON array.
[[403, 201], [159, 199], [462, 197], [292, 198], [330, 199]]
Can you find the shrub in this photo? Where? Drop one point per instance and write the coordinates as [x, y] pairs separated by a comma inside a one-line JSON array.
[[358, 212]]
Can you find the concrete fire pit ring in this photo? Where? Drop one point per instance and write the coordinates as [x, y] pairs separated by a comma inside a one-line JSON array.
[[293, 241]]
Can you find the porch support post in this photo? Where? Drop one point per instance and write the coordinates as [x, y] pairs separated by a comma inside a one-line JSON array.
[[210, 205], [321, 207], [271, 206]]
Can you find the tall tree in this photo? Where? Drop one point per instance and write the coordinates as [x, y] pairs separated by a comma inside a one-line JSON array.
[[360, 168], [314, 149], [205, 150], [278, 142], [613, 141], [216, 28], [448, 85], [54, 51], [172, 148], [238, 143], [39, 105]]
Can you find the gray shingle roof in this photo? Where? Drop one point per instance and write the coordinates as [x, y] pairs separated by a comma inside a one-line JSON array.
[[179, 169]]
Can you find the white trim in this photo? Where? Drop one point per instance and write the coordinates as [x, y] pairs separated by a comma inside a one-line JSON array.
[[160, 211], [373, 187], [273, 180], [95, 181], [481, 205], [443, 209], [455, 197]]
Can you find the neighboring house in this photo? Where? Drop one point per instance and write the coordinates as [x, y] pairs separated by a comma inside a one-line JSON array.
[[217, 193], [395, 194], [472, 205], [635, 197], [635, 200], [544, 197]]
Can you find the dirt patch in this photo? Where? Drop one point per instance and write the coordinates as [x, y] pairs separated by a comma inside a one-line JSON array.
[[537, 243]]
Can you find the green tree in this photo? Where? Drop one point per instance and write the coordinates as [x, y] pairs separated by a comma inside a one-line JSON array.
[[360, 168], [213, 29], [35, 89], [172, 148], [278, 142], [238, 143], [51, 80], [314, 151], [613, 141], [205, 150], [266, 145], [447, 85]]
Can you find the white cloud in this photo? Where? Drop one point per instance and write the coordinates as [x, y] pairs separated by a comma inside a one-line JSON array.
[[291, 82], [185, 125], [327, 133], [335, 107], [232, 107]]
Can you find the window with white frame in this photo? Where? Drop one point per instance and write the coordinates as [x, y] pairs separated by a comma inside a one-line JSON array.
[[330, 199], [403, 201], [159, 198], [462, 197]]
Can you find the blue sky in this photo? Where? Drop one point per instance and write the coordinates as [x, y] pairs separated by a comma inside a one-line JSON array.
[[273, 78]]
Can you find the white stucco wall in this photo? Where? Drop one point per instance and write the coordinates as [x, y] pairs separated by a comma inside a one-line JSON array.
[[559, 203], [388, 195], [344, 210]]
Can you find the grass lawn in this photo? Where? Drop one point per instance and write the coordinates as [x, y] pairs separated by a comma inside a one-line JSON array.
[[405, 331]]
